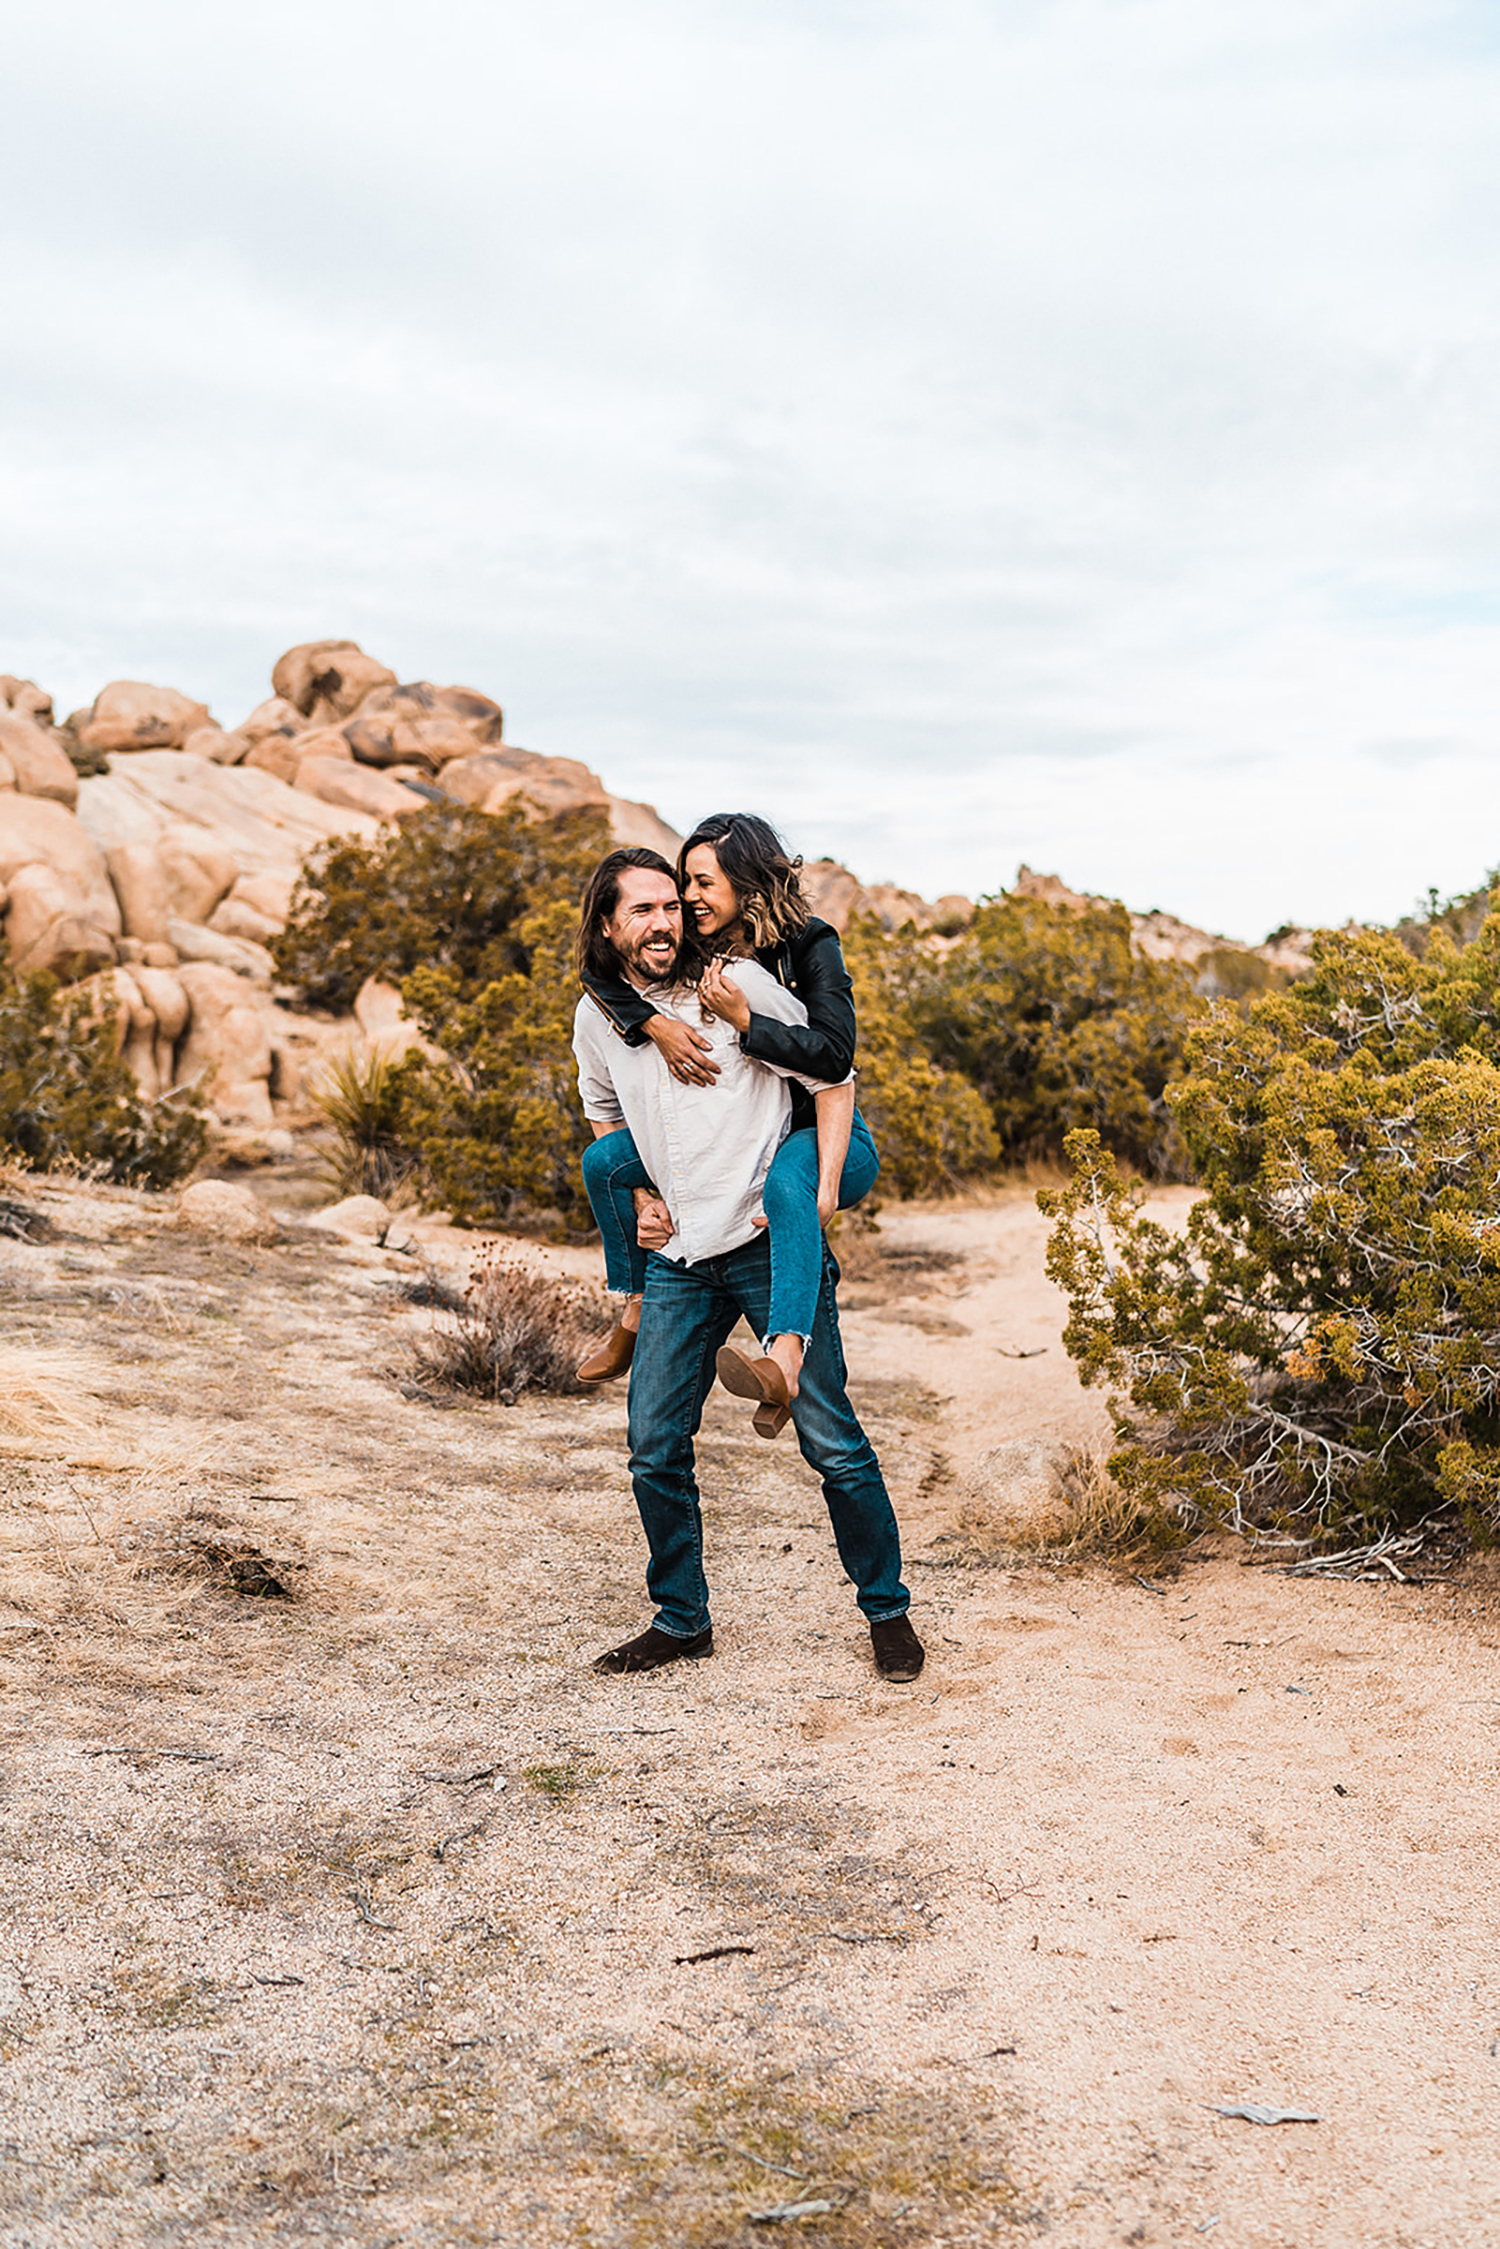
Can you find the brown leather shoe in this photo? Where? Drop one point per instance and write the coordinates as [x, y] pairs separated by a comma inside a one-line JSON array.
[[762, 1380], [610, 1358], [652, 1649], [899, 1654]]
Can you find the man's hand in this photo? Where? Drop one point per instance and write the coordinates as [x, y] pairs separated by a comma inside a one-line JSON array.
[[723, 997], [653, 1221], [686, 1051]]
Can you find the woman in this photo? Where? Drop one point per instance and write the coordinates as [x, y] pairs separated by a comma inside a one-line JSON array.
[[745, 899]]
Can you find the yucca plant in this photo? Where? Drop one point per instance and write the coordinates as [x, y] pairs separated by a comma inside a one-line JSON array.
[[360, 1098]]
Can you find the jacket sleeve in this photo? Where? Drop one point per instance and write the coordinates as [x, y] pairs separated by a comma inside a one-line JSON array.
[[824, 1048], [627, 1009]]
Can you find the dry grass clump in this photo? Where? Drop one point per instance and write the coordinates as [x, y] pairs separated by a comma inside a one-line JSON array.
[[219, 1552], [1061, 1502], [518, 1330], [46, 1395]]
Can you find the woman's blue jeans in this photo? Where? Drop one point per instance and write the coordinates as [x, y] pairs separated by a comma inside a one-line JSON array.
[[612, 1170]]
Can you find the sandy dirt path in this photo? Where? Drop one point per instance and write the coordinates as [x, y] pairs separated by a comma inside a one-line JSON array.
[[965, 1962]]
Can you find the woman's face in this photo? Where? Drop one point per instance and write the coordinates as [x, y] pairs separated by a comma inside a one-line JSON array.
[[708, 893]]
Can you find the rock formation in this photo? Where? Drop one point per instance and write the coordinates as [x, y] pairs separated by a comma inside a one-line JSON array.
[[1162, 936], [149, 850]]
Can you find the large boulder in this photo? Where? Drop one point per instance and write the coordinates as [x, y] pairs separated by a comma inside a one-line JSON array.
[[213, 742], [199, 872], [236, 917], [62, 912], [339, 780], [277, 754], [264, 826], [163, 993], [242, 956], [227, 1049], [275, 716], [328, 679], [40, 767], [25, 698], [267, 894], [176, 875], [149, 1010], [131, 715], [419, 700], [140, 882]]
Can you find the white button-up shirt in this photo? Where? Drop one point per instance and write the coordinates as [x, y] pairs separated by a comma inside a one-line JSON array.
[[707, 1147]]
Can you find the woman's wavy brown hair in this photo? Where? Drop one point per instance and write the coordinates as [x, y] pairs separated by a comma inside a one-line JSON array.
[[766, 881]]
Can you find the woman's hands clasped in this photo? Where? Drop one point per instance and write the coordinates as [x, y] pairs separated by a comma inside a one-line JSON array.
[[721, 996]]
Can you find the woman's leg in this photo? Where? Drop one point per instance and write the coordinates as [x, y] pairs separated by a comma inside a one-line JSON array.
[[611, 1171], [791, 1203]]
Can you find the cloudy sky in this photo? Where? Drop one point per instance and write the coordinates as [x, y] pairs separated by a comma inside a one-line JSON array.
[[971, 431]]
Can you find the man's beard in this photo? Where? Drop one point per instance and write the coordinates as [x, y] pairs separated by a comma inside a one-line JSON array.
[[633, 958]]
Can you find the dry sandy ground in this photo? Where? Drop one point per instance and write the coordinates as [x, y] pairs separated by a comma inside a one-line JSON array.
[[282, 1961]]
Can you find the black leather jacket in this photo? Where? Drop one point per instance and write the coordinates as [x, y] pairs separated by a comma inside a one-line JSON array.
[[810, 964]]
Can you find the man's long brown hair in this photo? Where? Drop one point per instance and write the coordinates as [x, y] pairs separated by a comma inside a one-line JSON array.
[[593, 954]]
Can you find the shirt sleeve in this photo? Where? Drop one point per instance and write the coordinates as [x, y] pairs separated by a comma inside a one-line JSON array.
[[596, 1088]]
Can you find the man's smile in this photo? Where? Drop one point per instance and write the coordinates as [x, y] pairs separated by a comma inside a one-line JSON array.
[[658, 951]]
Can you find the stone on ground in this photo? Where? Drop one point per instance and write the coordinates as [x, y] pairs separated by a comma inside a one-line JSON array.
[[225, 1212]]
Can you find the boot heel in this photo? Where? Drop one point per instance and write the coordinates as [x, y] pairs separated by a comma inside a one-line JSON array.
[[769, 1421]]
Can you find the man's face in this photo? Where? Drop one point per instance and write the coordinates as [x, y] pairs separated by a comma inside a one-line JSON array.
[[645, 928]]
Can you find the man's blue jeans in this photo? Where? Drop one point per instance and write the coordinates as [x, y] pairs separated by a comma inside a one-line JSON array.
[[689, 1311]]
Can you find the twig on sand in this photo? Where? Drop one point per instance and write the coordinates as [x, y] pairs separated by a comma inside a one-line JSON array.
[[714, 1952], [362, 1908], [1159, 1590], [149, 1749], [780, 2168], [786, 2213], [1004, 1897], [277, 1979], [462, 1780], [451, 1842]]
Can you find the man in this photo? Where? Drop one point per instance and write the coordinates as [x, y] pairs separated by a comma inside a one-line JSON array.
[[708, 1149]]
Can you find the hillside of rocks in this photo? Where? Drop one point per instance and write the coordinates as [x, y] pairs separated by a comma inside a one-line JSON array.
[[151, 853]]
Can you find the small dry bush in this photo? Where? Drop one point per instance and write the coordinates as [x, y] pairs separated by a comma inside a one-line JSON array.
[[518, 1330], [1027, 1497], [219, 1552]]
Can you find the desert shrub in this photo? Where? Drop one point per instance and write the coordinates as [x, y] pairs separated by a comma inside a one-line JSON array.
[[360, 1097], [66, 1096], [446, 890], [517, 1331], [1226, 973], [1321, 1345], [930, 1127], [1460, 917], [497, 1124], [1058, 1024]]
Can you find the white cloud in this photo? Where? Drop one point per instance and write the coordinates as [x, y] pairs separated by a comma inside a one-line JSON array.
[[971, 433]]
